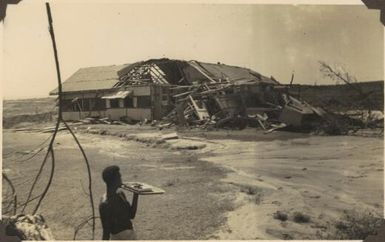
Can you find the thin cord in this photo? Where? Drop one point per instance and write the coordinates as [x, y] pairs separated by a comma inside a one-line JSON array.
[[50, 146], [48, 184], [60, 119], [22, 204], [36, 147], [13, 192], [89, 176], [42, 165], [81, 225]]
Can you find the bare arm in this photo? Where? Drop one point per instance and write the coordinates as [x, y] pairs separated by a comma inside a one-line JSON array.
[[134, 205]]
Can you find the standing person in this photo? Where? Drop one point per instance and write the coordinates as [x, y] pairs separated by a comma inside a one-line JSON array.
[[115, 211]]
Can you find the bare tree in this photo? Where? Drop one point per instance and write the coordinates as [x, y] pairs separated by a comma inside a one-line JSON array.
[[340, 74]]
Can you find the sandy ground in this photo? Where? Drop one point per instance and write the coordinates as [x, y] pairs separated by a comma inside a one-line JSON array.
[[228, 188], [193, 206], [318, 176]]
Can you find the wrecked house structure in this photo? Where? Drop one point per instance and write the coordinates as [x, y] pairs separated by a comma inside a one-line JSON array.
[[184, 93], [92, 92]]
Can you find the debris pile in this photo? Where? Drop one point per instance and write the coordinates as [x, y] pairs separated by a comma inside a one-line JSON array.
[[269, 107], [236, 106], [105, 120], [220, 96], [28, 227]]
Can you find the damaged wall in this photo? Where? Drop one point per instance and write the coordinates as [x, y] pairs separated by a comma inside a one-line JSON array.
[[142, 102]]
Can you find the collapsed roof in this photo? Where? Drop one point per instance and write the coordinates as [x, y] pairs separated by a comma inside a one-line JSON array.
[[162, 72]]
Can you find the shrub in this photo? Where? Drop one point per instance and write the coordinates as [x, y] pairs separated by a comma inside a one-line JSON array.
[[280, 216], [299, 217], [356, 225], [258, 198], [250, 190]]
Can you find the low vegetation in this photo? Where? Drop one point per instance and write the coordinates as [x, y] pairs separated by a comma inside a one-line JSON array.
[[279, 215], [250, 190], [299, 217], [355, 225], [358, 225]]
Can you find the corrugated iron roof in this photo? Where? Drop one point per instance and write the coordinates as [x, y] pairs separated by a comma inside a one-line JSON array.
[[233, 74], [105, 77], [92, 78]]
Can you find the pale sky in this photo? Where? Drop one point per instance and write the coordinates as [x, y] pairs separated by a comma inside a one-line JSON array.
[[271, 39]]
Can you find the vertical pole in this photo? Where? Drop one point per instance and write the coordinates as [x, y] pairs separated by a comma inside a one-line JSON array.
[[292, 79]]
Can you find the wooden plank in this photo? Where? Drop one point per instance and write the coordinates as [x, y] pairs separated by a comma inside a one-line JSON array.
[[182, 94], [154, 69], [201, 112], [275, 127], [181, 87], [261, 124]]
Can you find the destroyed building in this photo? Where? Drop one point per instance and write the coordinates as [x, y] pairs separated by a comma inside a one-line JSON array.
[[182, 92]]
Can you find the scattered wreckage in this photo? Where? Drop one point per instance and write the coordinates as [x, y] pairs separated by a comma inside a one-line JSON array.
[[238, 105], [195, 94]]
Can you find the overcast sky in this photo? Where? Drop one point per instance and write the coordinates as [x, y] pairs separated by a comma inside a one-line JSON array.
[[271, 39]]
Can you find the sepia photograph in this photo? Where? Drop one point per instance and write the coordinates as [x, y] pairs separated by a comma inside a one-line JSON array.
[[193, 120]]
